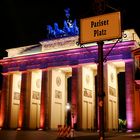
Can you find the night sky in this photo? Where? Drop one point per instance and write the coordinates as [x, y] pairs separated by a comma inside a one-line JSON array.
[[23, 22]]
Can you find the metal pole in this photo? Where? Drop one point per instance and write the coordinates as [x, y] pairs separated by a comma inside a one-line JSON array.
[[100, 90], [99, 9]]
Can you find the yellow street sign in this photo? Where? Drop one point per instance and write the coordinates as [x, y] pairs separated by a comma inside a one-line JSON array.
[[100, 28]]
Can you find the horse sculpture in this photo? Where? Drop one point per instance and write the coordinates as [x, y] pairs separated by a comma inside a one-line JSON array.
[[58, 32], [69, 28], [51, 32]]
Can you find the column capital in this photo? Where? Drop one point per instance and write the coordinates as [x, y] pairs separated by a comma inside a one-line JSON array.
[[5, 74], [25, 71], [46, 69]]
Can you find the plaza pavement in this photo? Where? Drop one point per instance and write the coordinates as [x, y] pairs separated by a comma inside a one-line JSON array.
[[52, 135]]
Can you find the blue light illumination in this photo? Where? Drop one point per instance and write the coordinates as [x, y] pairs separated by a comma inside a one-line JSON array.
[[70, 28]]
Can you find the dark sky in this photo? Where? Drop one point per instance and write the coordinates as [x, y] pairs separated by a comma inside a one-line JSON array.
[[23, 22]]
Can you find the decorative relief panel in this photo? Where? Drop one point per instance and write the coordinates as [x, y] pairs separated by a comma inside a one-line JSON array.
[[19, 84], [112, 77], [58, 94], [87, 93], [36, 95], [87, 79], [58, 81], [16, 96], [38, 83], [112, 91]]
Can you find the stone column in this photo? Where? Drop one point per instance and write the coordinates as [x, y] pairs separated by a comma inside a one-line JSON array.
[[75, 99], [44, 108], [24, 101], [4, 107], [129, 79]]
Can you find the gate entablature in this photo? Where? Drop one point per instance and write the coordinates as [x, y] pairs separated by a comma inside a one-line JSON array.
[[70, 57]]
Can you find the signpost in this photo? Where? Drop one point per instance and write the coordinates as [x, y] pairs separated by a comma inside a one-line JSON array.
[[98, 29]]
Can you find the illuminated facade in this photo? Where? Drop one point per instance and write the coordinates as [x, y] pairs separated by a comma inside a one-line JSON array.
[[36, 80]]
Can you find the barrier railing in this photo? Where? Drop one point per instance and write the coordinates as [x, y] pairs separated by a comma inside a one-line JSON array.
[[65, 131]]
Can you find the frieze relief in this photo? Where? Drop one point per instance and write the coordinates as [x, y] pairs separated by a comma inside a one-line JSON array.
[[61, 44]]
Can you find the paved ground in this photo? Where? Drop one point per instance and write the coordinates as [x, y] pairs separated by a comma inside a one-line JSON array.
[[52, 135]]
